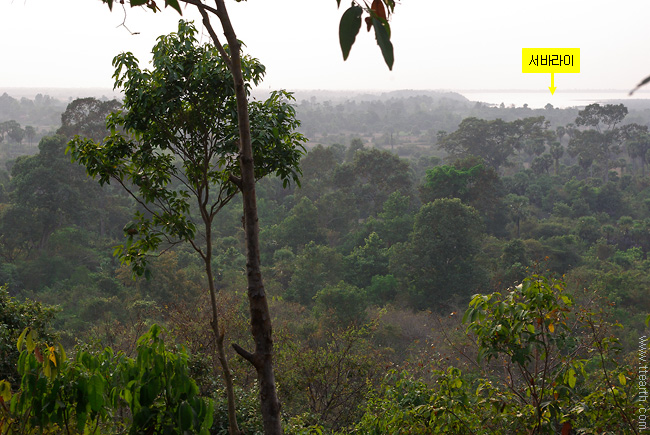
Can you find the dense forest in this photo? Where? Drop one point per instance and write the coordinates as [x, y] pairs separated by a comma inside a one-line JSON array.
[[438, 266]]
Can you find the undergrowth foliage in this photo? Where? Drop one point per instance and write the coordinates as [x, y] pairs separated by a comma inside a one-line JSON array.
[[104, 392], [546, 364], [547, 367]]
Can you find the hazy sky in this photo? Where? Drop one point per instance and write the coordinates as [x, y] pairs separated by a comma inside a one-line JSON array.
[[453, 45]]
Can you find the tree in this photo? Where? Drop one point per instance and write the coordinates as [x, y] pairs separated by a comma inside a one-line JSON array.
[[30, 132], [471, 180], [543, 342], [174, 148], [366, 261], [395, 220], [587, 146], [514, 260], [5, 126], [342, 304], [262, 357], [318, 164], [556, 152], [601, 117], [47, 188], [518, 208], [87, 117], [637, 141], [316, 267], [16, 133], [542, 164], [11, 129], [588, 229], [356, 144], [437, 264], [300, 227], [602, 143], [15, 316], [493, 141], [373, 175], [90, 392]]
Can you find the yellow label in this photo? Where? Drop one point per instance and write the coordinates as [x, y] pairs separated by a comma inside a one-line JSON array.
[[550, 60]]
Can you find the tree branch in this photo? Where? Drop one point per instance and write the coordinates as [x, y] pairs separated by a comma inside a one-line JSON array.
[[245, 354], [203, 9], [235, 180]]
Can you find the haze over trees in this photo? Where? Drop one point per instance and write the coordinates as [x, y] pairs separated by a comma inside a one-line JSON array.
[[354, 258], [369, 264]]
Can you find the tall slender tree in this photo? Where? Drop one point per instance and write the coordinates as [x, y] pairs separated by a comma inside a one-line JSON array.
[[175, 147], [378, 14]]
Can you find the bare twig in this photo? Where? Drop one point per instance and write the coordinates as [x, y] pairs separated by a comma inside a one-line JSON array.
[[124, 23]]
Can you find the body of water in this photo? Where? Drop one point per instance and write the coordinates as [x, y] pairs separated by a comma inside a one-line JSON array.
[[536, 99]]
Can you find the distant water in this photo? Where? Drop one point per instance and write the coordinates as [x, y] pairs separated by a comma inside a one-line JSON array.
[[536, 99], [561, 99]]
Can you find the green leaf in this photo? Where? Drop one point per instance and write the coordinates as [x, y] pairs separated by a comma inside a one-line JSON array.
[[127, 396], [29, 340], [21, 339], [149, 392], [349, 28], [185, 416], [571, 378], [135, 3], [647, 321], [383, 40], [81, 420], [174, 4], [142, 418], [5, 390], [48, 370], [209, 414], [96, 392], [467, 314], [621, 379], [62, 355]]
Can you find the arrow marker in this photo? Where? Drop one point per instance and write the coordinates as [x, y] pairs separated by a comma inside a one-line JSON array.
[[552, 88]]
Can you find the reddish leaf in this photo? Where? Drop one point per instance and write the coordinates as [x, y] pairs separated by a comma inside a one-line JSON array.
[[37, 354], [378, 8], [368, 23], [566, 428]]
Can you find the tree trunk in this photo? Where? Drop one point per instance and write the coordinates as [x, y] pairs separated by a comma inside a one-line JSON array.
[[233, 429], [262, 358], [642, 168], [518, 221]]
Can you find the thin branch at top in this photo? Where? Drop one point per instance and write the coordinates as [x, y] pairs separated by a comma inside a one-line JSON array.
[[203, 9], [124, 23]]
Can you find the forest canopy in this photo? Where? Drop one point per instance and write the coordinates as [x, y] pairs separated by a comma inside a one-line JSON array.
[[416, 256]]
